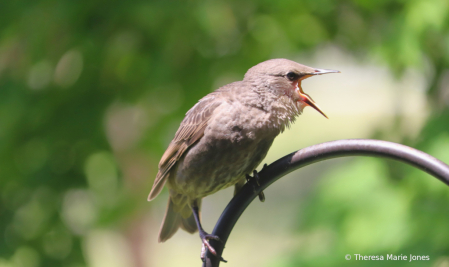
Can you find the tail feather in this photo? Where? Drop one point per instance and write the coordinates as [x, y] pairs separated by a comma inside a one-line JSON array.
[[170, 224], [189, 224], [173, 220]]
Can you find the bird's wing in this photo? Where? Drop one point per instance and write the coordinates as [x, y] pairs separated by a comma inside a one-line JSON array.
[[189, 132]]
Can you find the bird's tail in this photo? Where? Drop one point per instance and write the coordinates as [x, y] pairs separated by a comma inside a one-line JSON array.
[[173, 220]]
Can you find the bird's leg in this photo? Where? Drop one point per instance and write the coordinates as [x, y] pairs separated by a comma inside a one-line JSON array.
[[204, 236], [256, 178]]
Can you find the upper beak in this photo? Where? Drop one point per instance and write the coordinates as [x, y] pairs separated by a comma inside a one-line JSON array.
[[306, 98], [323, 71]]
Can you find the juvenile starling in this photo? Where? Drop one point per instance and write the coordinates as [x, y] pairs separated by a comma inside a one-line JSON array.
[[225, 136]]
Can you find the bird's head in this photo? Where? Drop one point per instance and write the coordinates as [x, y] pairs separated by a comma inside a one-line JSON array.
[[283, 78]]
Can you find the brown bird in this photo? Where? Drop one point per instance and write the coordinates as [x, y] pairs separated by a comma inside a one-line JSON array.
[[225, 136]]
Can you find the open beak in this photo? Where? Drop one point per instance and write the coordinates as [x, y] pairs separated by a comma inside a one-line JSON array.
[[305, 97]]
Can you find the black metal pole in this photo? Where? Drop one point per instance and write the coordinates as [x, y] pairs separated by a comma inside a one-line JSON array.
[[309, 155]]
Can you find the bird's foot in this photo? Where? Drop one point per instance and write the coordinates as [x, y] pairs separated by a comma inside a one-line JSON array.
[[205, 239], [256, 178]]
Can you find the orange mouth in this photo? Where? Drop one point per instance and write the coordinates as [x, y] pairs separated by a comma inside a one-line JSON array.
[[307, 99]]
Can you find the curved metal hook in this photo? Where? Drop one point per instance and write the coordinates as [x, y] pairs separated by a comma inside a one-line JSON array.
[[309, 155]]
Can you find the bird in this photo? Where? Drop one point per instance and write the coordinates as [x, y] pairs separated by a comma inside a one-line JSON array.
[[225, 136]]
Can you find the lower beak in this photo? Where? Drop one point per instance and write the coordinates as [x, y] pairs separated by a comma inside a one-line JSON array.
[[308, 100]]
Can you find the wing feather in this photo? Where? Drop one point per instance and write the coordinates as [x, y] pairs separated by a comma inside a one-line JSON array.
[[189, 132]]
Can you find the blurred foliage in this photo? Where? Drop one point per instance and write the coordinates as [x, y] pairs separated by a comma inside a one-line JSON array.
[[87, 89]]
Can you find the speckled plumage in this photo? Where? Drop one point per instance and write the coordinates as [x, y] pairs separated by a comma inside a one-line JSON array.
[[225, 136]]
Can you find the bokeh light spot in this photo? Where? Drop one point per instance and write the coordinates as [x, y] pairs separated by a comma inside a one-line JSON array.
[[78, 210], [57, 243], [101, 173], [125, 125], [26, 257], [107, 249], [69, 68], [32, 217], [40, 75]]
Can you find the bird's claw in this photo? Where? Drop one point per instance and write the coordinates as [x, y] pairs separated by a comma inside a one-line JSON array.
[[214, 237], [256, 178], [205, 239]]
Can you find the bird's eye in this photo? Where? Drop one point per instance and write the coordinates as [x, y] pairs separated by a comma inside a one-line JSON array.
[[292, 76]]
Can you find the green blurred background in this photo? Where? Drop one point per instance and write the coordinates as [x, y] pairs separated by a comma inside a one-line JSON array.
[[91, 93]]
